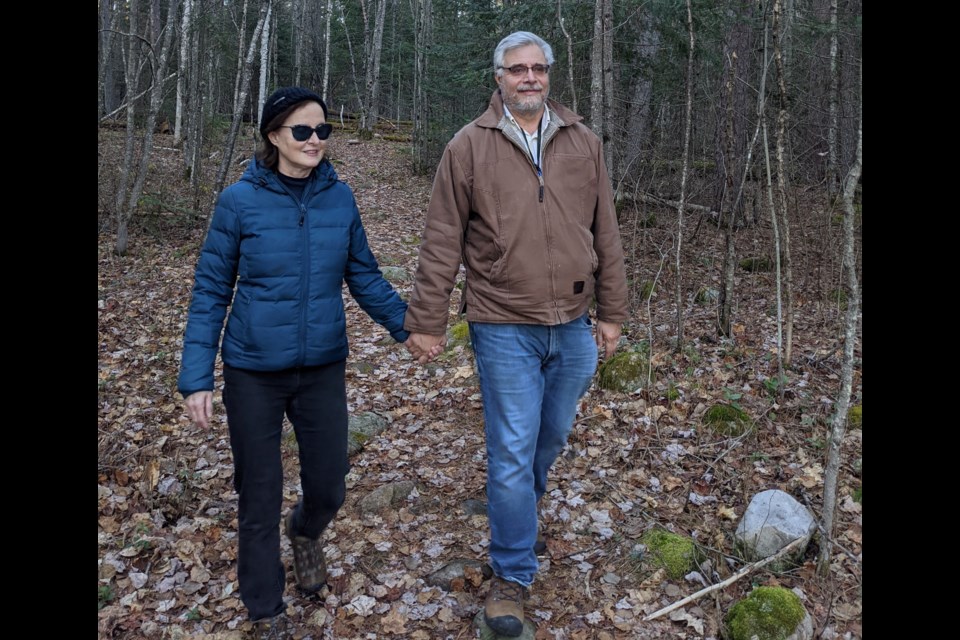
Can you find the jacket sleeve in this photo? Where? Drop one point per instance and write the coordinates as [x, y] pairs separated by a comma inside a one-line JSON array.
[[216, 276], [610, 276], [369, 288], [441, 248]]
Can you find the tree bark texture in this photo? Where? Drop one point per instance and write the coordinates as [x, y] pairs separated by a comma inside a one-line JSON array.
[[838, 424]]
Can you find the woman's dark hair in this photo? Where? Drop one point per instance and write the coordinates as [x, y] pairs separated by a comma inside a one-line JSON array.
[[267, 154]]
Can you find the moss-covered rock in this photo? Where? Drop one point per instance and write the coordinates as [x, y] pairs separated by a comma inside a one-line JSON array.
[[756, 264], [625, 371], [855, 417], [768, 613], [727, 420], [675, 553], [395, 274], [707, 295], [459, 333]]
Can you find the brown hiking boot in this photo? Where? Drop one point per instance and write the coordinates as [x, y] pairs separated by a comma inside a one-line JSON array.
[[503, 610], [309, 565], [275, 628]]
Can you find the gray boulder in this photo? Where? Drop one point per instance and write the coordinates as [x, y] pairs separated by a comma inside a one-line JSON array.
[[773, 520]]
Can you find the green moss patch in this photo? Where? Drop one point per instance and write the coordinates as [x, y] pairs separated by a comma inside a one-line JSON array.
[[625, 371], [727, 420], [855, 417], [675, 553], [459, 333], [768, 613]]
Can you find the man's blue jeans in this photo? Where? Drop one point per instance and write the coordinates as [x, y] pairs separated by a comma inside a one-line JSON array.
[[531, 378]]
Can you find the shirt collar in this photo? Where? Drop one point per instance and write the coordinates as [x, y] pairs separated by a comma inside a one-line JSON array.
[[544, 119]]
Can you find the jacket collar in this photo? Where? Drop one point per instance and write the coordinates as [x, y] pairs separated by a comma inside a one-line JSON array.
[[260, 176]]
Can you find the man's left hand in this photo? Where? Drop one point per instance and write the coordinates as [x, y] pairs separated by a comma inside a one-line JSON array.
[[608, 335]]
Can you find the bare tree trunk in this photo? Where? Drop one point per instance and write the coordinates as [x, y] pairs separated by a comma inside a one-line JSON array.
[[596, 71], [566, 35], [105, 90], [422, 15], [264, 62], [785, 252], [326, 54], [297, 13], [156, 99], [839, 423], [242, 32], [608, 87], [193, 142], [182, 70], [243, 85], [687, 130], [130, 76], [353, 61], [372, 99], [833, 169], [775, 222], [638, 119]]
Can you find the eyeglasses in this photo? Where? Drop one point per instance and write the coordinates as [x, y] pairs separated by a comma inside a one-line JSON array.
[[520, 70], [302, 132]]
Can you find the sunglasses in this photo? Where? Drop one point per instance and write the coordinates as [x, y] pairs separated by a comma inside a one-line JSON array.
[[302, 132]]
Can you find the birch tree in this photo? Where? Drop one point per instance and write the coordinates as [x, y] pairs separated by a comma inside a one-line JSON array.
[[688, 127], [158, 61], [833, 126], [784, 254], [240, 97], [569, 41], [326, 53], [838, 424], [183, 64], [264, 62], [131, 77], [596, 70], [422, 12], [372, 93]]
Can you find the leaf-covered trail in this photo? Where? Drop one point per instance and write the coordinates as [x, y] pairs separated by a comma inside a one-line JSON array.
[[166, 508]]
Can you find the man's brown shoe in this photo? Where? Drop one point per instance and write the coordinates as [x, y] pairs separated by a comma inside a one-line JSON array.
[[309, 565], [503, 610]]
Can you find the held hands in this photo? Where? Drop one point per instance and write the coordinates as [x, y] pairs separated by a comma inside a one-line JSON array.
[[425, 347], [608, 335], [200, 407]]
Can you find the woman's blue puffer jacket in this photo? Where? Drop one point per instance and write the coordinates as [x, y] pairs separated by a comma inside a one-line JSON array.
[[282, 263]]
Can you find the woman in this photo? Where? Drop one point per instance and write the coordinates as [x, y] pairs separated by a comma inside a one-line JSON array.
[[282, 242]]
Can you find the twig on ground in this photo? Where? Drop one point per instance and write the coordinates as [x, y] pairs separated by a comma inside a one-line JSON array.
[[750, 568]]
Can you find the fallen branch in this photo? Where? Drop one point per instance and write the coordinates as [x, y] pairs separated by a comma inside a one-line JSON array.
[[673, 204], [750, 568]]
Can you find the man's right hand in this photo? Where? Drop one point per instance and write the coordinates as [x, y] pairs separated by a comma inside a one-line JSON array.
[[200, 407], [425, 347]]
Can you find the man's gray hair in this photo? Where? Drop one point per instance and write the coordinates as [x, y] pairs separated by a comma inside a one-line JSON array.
[[519, 39]]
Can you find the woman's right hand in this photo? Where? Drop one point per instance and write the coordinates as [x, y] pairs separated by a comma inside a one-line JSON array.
[[200, 407]]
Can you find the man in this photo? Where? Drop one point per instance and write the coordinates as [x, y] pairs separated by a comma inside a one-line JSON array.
[[522, 195]]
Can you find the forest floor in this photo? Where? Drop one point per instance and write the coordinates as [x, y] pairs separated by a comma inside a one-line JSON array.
[[166, 541]]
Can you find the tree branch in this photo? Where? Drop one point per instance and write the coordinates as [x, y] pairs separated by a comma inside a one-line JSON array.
[[750, 568]]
